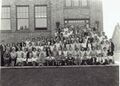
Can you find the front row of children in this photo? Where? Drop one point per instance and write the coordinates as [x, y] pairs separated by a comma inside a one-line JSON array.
[[39, 58]]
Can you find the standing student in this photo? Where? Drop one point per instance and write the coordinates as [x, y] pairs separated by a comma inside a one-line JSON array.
[[111, 48], [2, 51]]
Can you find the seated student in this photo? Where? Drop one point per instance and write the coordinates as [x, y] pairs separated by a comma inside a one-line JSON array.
[[84, 44], [67, 45], [48, 51], [104, 53], [103, 35], [105, 38], [82, 51], [94, 44], [7, 58], [73, 45], [77, 57], [102, 44], [100, 37], [29, 59], [84, 60], [70, 51], [62, 59], [57, 45], [19, 57], [70, 59], [27, 42], [33, 42], [88, 55], [59, 50], [90, 39], [24, 56], [34, 52], [44, 51], [65, 51], [89, 45], [50, 60], [24, 46], [58, 58], [66, 33], [13, 57], [99, 59], [107, 44], [8, 46], [30, 46], [34, 59], [93, 54], [37, 45], [98, 50], [77, 43], [52, 46], [56, 55], [41, 59], [22, 43]]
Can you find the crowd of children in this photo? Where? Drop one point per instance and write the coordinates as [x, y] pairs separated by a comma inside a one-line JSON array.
[[71, 45]]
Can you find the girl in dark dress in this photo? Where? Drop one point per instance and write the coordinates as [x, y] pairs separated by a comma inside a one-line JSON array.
[[7, 58]]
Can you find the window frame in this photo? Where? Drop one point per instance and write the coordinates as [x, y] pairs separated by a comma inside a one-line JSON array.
[[79, 4], [1, 30], [23, 18], [81, 1], [66, 5], [74, 5], [41, 28]]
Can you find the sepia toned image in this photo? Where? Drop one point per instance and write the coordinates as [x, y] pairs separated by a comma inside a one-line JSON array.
[[59, 43]]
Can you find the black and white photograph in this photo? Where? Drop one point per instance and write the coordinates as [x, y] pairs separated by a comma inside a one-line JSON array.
[[59, 42]]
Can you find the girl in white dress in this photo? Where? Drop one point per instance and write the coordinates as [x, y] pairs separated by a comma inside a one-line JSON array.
[[34, 59], [19, 57], [24, 56]]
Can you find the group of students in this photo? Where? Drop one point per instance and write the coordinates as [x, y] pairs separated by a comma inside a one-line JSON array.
[[70, 46]]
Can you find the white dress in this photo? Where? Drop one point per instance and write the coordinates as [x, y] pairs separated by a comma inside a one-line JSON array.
[[19, 56], [24, 56]]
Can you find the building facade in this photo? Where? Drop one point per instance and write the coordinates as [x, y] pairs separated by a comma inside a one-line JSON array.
[[32, 18]]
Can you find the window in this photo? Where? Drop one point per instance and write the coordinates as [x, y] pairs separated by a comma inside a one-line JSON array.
[[75, 2], [5, 18], [68, 3], [40, 17], [84, 3], [22, 18]]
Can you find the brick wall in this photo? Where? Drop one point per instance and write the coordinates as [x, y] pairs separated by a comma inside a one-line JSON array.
[[56, 12]]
